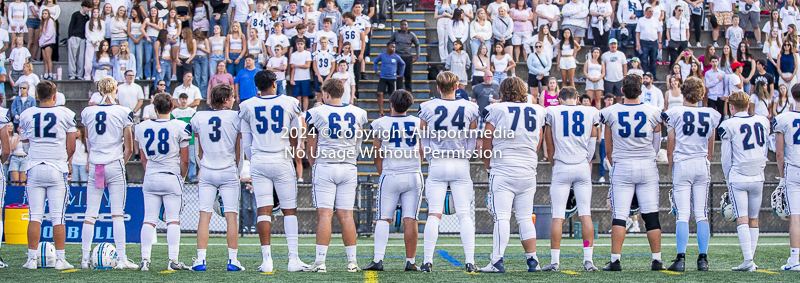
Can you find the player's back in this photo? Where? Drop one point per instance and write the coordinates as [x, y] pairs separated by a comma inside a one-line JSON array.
[[217, 131], [269, 119], [105, 126], [788, 123], [161, 141], [693, 127], [338, 130], [746, 137], [571, 127], [632, 128], [398, 135], [444, 116], [518, 149], [46, 130]]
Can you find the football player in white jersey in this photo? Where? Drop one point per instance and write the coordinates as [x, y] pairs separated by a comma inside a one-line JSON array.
[[334, 143], [398, 157], [629, 128], [571, 137], [512, 179], [109, 142], [449, 165], [5, 119], [217, 135], [690, 146], [164, 144], [266, 121], [744, 154], [787, 126], [51, 133]]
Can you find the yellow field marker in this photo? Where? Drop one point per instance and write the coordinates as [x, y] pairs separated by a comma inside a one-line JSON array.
[[166, 271], [268, 273], [670, 272], [370, 276], [70, 270], [767, 271], [570, 272]]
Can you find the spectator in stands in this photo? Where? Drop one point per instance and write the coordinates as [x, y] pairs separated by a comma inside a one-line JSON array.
[[567, 50], [648, 40], [136, 39], [103, 63], [47, 41], [3, 79], [677, 34], [502, 31], [239, 11], [405, 41], [78, 168], [278, 65], [726, 59], [494, 8], [549, 95], [502, 63], [636, 67], [164, 65], [107, 16], [124, 62], [119, 28], [244, 83], [276, 39], [193, 93], [29, 77], [217, 43], [782, 103], [539, 65], [391, 64], [324, 64], [457, 29], [187, 53], [200, 15], [673, 97], [331, 12], [695, 10], [651, 94], [235, 50], [348, 80], [200, 61], [16, 15], [300, 64], [380, 18], [594, 70], [19, 57], [548, 14], [130, 94], [249, 209], [19, 155], [789, 14], [750, 17], [522, 16], [458, 62], [184, 111], [761, 101], [220, 76], [601, 12], [258, 20], [762, 75], [219, 16], [4, 43], [443, 12], [153, 24], [308, 9], [328, 33], [772, 49], [76, 42], [481, 65], [34, 24], [485, 93], [749, 69], [292, 18], [616, 68], [362, 10], [714, 80], [173, 27], [734, 35], [706, 58], [575, 14], [628, 14], [22, 101], [480, 30], [256, 48], [685, 60], [95, 34], [723, 12], [787, 64], [466, 8], [547, 39]]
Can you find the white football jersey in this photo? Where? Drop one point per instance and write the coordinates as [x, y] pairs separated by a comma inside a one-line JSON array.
[[788, 123], [352, 34], [399, 138], [217, 131], [571, 127], [448, 116], [693, 126], [324, 60], [744, 147], [269, 119], [339, 132], [632, 130], [46, 130], [161, 141], [105, 129], [525, 120]]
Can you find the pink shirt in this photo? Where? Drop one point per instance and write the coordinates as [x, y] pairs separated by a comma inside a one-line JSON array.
[[219, 79], [550, 100], [522, 25], [49, 35]]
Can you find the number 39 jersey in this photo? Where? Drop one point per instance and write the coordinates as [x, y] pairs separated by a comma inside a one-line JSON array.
[[46, 130], [788, 123], [632, 130], [693, 126], [269, 119], [571, 126], [525, 120], [105, 125], [338, 130], [217, 131], [448, 116], [161, 141], [744, 150], [398, 135]]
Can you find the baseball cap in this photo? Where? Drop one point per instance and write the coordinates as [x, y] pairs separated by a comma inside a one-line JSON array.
[[612, 41], [649, 74], [735, 65], [636, 59]]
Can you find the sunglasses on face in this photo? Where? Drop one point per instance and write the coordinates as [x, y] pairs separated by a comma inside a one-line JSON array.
[[162, 85], [23, 88]]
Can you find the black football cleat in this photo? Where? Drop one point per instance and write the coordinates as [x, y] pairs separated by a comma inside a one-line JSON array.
[[679, 264], [426, 267], [376, 266], [533, 265], [656, 265], [411, 267], [613, 266], [471, 268], [702, 262]]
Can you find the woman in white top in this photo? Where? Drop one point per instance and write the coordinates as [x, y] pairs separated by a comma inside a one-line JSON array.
[[602, 16], [107, 15], [549, 42], [772, 49], [201, 69], [95, 33], [677, 33], [187, 52], [217, 43], [136, 39], [658, 9], [685, 60], [775, 21], [548, 14], [17, 15], [163, 49], [34, 27], [18, 159], [481, 64], [164, 10], [789, 13], [783, 102], [152, 24], [124, 62], [457, 29], [79, 172], [235, 50], [467, 9], [442, 14], [480, 30], [200, 16], [568, 49], [119, 29], [173, 26], [501, 63], [255, 47], [595, 70], [673, 96], [761, 101], [102, 62]]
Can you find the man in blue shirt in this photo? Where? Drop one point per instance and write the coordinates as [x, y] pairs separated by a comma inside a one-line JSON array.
[[244, 83], [388, 73]]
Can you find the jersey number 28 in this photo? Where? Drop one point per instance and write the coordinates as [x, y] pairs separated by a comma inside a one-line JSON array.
[[163, 141]]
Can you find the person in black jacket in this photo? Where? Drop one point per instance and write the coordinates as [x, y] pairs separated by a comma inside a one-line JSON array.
[[219, 15]]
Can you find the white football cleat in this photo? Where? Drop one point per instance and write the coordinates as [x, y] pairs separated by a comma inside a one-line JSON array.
[[747, 265], [31, 263], [3, 264], [353, 267], [86, 263], [145, 265], [62, 264], [791, 266], [126, 263], [266, 265], [297, 265], [317, 267], [176, 265], [489, 268]]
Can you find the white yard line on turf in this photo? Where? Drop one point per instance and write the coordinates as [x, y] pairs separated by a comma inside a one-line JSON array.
[[459, 245]]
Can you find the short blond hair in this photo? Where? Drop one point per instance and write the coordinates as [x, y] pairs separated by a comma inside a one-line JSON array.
[[447, 82], [107, 86], [513, 89], [739, 100]]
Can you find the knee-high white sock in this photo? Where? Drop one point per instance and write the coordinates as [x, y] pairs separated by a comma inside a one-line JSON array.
[[351, 252], [290, 228], [500, 235], [467, 236], [431, 235], [555, 256], [753, 240], [87, 234], [119, 236], [743, 230], [173, 241], [381, 238], [148, 232], [322, 253], [588, 253]]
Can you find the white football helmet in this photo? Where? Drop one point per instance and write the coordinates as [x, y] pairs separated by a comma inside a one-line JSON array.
[[397, 217], [47, 255], [572, 204], [449, 204], [726, 207], [780, 202], [218, 207], [104, 256]]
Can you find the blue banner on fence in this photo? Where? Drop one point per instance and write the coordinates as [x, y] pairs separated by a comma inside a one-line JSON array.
[[76, 207]]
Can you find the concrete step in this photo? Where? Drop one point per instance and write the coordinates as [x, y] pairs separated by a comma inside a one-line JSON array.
[[383, 39], [418, 75]]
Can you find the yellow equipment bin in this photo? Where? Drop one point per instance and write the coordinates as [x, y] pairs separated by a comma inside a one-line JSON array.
[[16, 224]]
